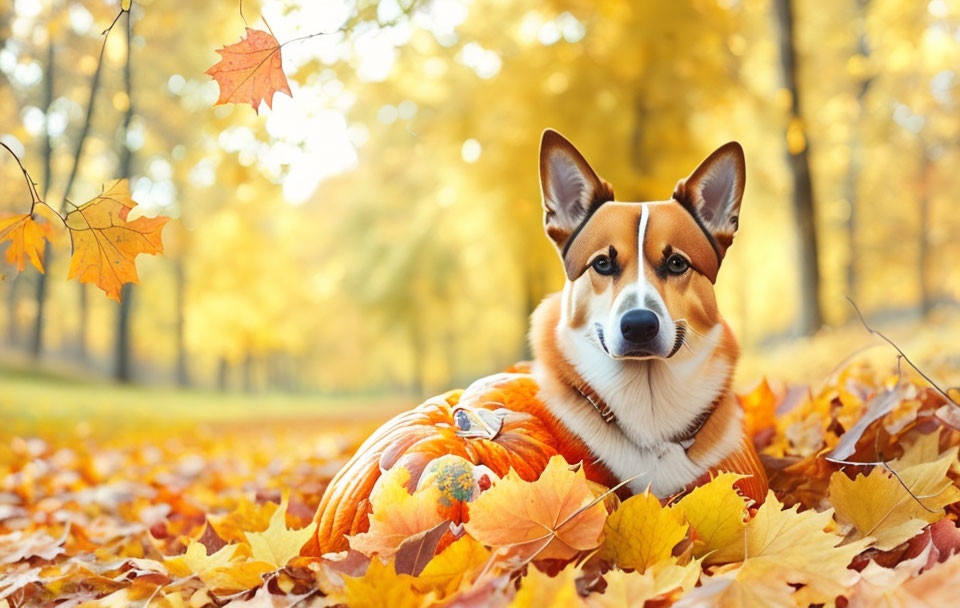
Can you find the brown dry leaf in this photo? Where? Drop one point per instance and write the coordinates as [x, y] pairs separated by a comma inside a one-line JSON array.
[[397, 515], [250, 71], [641, 533], [106, 244], [552, 515], [26, 237]]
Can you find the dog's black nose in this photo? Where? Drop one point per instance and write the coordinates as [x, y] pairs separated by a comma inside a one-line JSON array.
[[639, 325]]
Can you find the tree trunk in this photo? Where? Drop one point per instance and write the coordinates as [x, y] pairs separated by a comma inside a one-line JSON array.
[[122, 368], [223, 370], [852, 185], [923, 238], [798, 149], [183, 376], [36, 337], [37, 348]]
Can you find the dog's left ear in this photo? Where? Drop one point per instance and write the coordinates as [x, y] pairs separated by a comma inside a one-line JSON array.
[[571, 188], [713, 193]]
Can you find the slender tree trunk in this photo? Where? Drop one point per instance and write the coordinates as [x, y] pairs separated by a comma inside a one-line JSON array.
[[223, 369], [923, 237], [183, 376], [852, 184], [798, 149], [42, 279], [13, 335], [36, 338], [122, 368]]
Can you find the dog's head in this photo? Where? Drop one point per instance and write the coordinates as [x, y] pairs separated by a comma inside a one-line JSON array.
[[640, 276]]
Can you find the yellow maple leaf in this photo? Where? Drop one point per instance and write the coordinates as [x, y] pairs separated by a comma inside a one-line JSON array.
[[538, 589], [106, 243], [802, 547], [382, 586], [277, 545], [446, 572], [879, 506], [246, 516], [397, 514], [554, 515], [641, 533], [228, 569], [26, 237], [717, 514], [666, 580]]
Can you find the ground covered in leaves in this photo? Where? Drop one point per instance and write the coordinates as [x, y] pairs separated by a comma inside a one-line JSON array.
[[218, 516]]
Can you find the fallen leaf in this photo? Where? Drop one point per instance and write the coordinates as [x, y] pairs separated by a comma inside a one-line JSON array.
[[446, 572], [382, 586], [26, 238], [879, 506], [106, 244], [417, 551], [397, 514], [799, 545], [20, 545], [717, 514], [759, 408], [665, 581], [552, 515], [641, 533], [538, 590], [277, 545], [250, 71]]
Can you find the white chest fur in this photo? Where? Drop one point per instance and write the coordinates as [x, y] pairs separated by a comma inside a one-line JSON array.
[[654, 401]]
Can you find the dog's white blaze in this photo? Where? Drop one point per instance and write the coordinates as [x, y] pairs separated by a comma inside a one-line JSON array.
[[641, 234]]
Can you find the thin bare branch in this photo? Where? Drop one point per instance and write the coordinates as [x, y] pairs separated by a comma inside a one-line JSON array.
[[873, 331]]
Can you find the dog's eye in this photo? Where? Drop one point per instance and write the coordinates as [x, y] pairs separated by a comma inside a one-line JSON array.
[[677, 264], [604, 265]]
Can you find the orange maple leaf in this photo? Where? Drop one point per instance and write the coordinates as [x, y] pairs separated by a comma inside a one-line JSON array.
[[106, 244], [556, 516], [251, 70], [26, 240]]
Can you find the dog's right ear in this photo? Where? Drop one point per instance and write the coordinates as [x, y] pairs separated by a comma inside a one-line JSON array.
[[571, 189]]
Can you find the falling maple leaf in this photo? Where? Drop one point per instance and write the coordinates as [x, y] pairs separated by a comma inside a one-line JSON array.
[[106, 244], [641, 533], [26, 237], [557, 513], [250, 71]]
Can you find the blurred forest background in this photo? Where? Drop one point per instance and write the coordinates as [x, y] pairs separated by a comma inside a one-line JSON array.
[[380, 232]]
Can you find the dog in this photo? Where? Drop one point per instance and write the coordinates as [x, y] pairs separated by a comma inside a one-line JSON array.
[[633, 362]]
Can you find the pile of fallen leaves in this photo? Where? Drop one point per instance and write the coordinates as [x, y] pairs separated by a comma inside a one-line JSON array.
[[862, 511]]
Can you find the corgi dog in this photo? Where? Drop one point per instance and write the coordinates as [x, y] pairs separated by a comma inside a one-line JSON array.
[[633, 362]]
